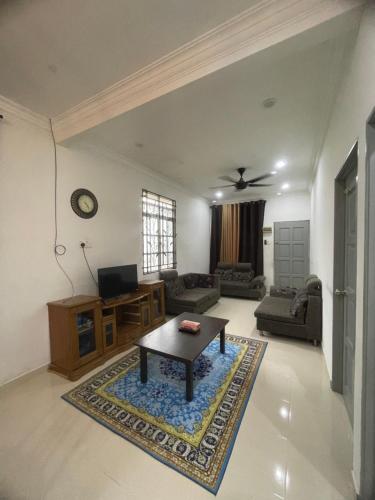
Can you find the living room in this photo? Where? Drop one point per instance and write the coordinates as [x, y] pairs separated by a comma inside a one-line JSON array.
[[206, 92]]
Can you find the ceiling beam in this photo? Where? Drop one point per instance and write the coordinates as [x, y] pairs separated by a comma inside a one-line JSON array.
[[266, 23]]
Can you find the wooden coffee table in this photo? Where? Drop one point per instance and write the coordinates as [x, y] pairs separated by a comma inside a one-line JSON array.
[[169, 342]]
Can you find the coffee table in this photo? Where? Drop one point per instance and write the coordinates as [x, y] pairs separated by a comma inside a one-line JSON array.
[[169, 342]]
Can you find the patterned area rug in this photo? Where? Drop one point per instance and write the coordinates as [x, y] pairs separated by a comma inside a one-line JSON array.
[[195, 438]]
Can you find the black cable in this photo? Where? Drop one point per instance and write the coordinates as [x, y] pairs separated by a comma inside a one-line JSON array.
[[88, 265], [58, 250]]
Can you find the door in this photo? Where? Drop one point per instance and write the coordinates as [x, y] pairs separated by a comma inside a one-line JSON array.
[[348, 293], [291, 253]]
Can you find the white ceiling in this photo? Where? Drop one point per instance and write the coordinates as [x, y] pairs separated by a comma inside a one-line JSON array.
[[56, 53], [210, 127]]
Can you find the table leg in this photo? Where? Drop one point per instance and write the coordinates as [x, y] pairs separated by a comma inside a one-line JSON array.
[[222, 341], [189, 381], [143, 365]]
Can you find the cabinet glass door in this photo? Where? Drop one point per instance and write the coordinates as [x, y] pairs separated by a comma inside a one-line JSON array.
[[146, 316], [157, 303], [85, 324], [109, 334]]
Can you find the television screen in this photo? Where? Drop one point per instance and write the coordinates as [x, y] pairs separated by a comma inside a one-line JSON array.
[[115, 281]]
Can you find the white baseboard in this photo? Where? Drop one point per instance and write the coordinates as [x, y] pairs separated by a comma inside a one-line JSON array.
[[24, 376]]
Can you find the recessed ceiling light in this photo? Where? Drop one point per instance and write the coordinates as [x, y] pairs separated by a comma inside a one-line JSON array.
[[279, 194], [285, 186], [269, 102], [273, 172], [213, 201], [280, 163], [219, 194]]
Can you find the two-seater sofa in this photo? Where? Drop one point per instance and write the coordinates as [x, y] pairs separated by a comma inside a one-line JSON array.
[[294, 313], [191, 292], [239, 280]]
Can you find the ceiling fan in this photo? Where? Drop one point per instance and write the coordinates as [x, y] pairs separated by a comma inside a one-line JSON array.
[[242, 183]]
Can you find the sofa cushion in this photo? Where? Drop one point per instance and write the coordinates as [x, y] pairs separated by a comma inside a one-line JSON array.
[[232, 284], [191, 280], [195, 296], [206, 281], [224, 274], [243, 276], [299, 303], [174, 287], [277, 309]]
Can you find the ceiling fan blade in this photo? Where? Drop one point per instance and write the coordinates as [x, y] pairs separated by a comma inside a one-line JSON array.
[[260, 178], [227, 178], [220, 187], [258, 185]]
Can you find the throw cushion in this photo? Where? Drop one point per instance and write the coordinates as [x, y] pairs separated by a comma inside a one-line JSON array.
[[206, 281], [225, 274], [173, 288], [243, 276], [191, 280], [299, 302]]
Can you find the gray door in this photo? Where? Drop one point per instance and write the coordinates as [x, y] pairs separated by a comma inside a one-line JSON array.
[[349, 292], [291, 252]]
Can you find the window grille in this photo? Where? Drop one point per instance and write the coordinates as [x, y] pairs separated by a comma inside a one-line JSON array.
[[159, 232]]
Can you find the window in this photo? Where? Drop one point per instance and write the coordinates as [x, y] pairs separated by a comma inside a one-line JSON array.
[[159, 232]]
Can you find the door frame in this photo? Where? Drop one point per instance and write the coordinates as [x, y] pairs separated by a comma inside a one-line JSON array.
[[367, 486], [350, 164]]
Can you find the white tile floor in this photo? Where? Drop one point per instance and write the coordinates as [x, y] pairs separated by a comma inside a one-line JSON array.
[[294, 442]]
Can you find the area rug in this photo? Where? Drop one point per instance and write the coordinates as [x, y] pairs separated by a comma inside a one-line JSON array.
[[196, 438]]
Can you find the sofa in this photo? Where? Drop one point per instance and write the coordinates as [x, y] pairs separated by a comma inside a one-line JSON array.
[[239, 280], [191, 292], [297, 315]]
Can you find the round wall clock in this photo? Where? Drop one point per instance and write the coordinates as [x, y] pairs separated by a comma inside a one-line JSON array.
[[84, 203]]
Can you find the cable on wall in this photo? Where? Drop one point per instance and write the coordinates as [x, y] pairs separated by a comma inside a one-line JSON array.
[[58, 249], [88, 265]]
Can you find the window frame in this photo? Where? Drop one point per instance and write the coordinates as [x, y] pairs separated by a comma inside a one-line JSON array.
[[147, 267]]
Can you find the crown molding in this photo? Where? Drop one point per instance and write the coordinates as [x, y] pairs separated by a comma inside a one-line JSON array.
[[266, 23], [8, 107]]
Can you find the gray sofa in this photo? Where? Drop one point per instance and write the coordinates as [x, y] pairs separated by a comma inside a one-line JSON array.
[[238, 280], [192, 292], [299, 315]]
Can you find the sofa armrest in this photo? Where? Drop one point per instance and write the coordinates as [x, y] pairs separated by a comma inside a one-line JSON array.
[[257, 282]]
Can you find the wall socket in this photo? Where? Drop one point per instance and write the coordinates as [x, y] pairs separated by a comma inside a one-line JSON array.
[[86, 242]]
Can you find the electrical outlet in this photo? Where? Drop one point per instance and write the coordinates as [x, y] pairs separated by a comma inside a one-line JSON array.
[[87, 243]]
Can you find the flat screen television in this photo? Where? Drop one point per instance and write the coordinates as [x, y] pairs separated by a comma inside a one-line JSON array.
[[115, 281]]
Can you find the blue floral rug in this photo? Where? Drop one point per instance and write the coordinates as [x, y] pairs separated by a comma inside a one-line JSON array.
[[194, 438]]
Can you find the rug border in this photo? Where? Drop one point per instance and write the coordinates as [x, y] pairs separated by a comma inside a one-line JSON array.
[[236, 428]]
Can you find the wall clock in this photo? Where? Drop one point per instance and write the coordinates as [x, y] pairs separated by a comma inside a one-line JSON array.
[[84, 203]]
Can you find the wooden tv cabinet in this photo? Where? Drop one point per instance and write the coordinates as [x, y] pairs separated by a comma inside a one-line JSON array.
[[86, 331]]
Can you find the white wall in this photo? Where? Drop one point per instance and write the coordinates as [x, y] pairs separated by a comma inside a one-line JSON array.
[[355, 101], [29, 274], [287, 207]]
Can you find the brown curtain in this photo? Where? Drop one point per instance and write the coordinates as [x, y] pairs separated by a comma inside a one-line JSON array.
[[230, 233]]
